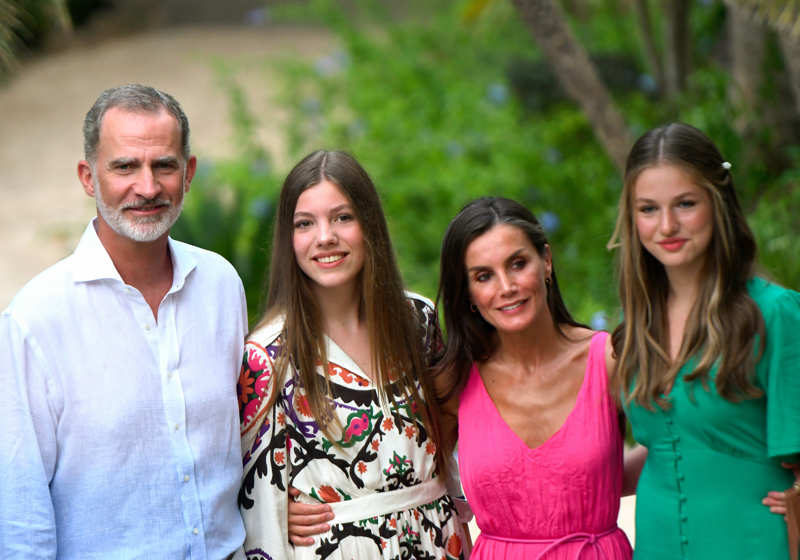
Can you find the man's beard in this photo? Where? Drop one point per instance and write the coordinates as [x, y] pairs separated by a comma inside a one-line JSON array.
[[142, 228]]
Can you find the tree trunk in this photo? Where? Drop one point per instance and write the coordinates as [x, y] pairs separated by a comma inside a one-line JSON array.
[[747, 43], [790, 46], [676, 45], [577, 75], [648, 39]]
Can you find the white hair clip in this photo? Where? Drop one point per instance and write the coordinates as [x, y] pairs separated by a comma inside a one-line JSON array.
[[726, 165]]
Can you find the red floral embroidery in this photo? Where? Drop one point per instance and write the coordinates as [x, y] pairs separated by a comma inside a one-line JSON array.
[[346, 375], [282, 418], [279, 457], [356, 427], [262, 385], [410, 431], [362, 467], [328, 494], [250, 411], [376, 444], [257, 358], [430, 448], [393, 523], [388, 424], [302, 406], [454, 546], [244, 385]]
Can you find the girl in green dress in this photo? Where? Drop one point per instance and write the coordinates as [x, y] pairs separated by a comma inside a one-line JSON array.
[[708, 357]]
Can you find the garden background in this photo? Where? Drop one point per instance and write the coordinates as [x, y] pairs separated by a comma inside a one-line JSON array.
[[441, 101]]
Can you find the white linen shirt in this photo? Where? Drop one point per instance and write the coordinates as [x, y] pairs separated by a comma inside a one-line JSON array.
[[119, 435]]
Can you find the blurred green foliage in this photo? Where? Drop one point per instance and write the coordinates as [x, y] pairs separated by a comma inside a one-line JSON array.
[[230, 208], [441, 108]]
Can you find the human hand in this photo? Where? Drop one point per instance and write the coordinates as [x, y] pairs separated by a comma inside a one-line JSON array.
[[306, 520], [776, 501]]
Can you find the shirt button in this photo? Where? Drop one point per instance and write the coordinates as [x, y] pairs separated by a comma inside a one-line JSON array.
[[177, 427], [186, 478], [195, 531], [147, 327]]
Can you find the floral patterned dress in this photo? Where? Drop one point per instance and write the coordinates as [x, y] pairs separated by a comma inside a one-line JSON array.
[[380, 477]]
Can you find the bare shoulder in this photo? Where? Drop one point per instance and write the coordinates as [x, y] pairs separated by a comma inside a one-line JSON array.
[[580, 338]]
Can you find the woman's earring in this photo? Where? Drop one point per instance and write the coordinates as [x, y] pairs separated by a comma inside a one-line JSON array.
[[473, 308], [547, 281]]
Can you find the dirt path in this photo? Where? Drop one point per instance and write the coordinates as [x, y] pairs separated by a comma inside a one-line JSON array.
[[44, 208]]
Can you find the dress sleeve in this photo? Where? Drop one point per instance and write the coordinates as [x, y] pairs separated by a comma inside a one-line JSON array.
[[28, 447], [433, 344], [779, 371], [263, 497]]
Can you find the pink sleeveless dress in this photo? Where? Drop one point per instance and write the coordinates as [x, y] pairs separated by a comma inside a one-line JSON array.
[[557, 501]]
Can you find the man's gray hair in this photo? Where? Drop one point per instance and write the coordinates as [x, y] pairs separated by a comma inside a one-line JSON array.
[[136, 98]]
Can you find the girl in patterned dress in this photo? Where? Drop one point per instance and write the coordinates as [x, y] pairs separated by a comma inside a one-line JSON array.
[[333, 388]]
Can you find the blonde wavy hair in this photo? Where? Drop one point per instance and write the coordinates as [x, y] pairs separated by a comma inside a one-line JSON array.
[[725, 323]]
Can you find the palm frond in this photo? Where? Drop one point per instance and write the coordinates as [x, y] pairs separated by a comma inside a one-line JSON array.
[[22, 19], [780, 15]]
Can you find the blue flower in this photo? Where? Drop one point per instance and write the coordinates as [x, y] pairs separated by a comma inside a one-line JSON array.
[[497, 93], [332, 64], [552, 155], [260, 207], [357, 128], [598, 321], [259, 166], [311, 105], [549, 221], [257, 17], [454, 149], [647, 83]]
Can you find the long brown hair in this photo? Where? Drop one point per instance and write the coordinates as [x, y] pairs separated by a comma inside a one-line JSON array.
[[395, 332], [469, 337], [724, 321]]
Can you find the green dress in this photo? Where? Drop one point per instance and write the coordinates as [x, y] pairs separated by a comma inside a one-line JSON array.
[[710, 462]]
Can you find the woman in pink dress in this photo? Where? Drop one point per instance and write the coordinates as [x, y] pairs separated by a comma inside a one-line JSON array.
[[540, 441]]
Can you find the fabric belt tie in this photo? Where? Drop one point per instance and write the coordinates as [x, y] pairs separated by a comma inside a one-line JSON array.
[[589, 540], [382, 503]]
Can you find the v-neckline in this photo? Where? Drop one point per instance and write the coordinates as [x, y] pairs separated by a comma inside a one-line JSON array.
[[337, 356], [551, 437]]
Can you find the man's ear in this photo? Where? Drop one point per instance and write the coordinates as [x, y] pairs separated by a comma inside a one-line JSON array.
[[85, 176], [191, 167]]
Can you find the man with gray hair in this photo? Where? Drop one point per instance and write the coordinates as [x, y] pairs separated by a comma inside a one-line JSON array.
[[118, 365]]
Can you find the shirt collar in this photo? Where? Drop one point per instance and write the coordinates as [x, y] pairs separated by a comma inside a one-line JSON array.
[[92, 261]]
